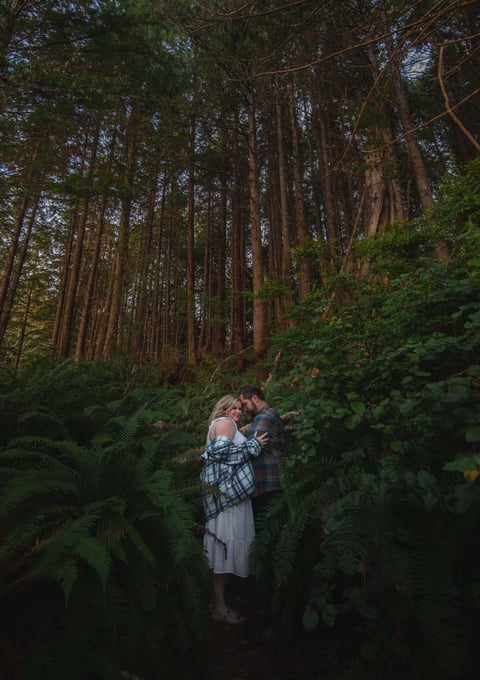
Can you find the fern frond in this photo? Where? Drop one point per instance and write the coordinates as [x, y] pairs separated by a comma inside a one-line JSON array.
[[436, 599], [25, 453], [31, 483], [131, 426], [177, 515], [73, 541], [43, 418], [139, 543], [291, 538], [145, 464]]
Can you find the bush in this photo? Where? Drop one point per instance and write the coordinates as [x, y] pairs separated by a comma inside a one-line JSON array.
[[377, 517]]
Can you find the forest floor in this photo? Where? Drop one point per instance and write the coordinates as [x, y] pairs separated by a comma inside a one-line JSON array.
[[237, 655], [241, 652]]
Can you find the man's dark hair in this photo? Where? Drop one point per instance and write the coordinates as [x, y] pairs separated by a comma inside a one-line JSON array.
[[249, 391]]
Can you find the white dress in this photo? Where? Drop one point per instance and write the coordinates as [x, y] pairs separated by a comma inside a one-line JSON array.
[[235, 527]]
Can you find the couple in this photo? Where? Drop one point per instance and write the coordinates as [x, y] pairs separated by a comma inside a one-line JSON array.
[[230, 528]]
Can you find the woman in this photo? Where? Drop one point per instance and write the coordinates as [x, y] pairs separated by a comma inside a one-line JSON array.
[[229, 522]]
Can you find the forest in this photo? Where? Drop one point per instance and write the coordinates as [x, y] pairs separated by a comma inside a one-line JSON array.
[[199, 194]]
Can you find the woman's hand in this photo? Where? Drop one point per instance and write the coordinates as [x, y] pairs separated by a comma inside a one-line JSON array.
[[262, 438]]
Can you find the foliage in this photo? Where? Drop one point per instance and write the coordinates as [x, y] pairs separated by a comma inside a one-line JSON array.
[[98, 557], [372, 541], [376, 526]]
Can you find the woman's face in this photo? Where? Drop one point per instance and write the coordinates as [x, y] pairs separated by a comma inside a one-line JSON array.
[[235, 411]]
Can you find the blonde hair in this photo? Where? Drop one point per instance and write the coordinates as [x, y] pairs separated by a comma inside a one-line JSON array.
[[221, 407]]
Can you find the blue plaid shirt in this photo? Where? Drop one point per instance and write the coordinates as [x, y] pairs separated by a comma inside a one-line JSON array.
[[219, 456], [266, 465]]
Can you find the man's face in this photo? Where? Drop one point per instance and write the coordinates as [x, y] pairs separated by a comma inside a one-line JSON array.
[[249, 405]]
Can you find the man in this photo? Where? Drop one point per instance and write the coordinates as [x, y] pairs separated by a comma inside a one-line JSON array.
[[265, 420], [268, 484]]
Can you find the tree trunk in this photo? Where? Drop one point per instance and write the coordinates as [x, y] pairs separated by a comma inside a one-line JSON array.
[[190, 264], [208, 293], [301, 231], [326, 163], [237, 304], [374, 188], [90, 286], [86, 307], [24, 324], [158, 297], [419, 170], [68, 303], [121, 253], [417, 164], [218, 322], [285, 245], [260, 330], [141, 333], [17, 255]]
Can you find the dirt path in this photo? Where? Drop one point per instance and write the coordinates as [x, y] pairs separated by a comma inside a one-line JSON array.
[[235, 655], [239, 652]]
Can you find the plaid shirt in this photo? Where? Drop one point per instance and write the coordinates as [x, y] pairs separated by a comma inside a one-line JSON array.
[[219, 456], [266, 465]]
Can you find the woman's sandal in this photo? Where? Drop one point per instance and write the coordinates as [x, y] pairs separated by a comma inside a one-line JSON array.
[[231, 617]]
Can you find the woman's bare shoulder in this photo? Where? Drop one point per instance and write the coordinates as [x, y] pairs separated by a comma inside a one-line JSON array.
[[223, 427]]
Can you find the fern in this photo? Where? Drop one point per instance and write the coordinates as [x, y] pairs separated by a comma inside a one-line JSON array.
[[19, 490], [103, 523], [436, 600], [291, 539]]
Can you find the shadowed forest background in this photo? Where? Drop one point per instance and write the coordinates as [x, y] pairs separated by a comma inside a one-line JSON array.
[[196, 195]]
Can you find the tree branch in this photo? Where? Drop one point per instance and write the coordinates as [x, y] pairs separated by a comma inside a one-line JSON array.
[[449, 109]]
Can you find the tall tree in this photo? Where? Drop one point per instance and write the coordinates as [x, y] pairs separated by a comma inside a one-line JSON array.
[[260, 331], [154, 247]]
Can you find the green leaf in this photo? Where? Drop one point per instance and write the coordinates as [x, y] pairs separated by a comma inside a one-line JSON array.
[[396, 445], [472, 434], [352, 422], [310, 619], [359, 407], [462, 464], [95, 553]]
